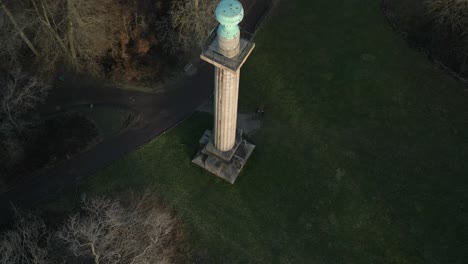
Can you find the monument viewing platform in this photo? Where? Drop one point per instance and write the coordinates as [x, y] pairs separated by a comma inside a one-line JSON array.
[[212, 53]]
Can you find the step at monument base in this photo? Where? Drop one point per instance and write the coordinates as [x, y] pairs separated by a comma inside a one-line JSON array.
[[226, 165]]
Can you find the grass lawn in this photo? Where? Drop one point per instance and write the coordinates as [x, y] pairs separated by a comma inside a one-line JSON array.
[[361, 157]]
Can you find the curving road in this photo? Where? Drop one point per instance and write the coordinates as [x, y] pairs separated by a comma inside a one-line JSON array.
[[157, 113]]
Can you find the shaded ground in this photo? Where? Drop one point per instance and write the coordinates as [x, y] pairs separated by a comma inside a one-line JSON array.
[[49, 142], [110, 121]]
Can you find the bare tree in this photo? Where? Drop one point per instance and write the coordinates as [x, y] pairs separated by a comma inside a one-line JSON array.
[[27, 242], [189, 24], [20, 93], [17, 28], [105, 231], [110, 232], [79, 32], [12, 35], [451, 17], [74, 33], [78, 35], [451, 13]]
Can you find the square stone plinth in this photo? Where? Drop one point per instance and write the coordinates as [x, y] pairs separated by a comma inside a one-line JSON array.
[[226, 165], [224, 155]]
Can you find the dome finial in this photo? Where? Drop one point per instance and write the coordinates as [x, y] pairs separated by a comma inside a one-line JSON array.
[[229, 13]]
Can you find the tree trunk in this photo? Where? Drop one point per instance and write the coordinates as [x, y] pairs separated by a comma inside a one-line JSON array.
[[71, 37], [46, 22], [96, 256], [18, 29]]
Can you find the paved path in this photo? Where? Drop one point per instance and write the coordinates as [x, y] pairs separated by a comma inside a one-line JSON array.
[[157, 112]]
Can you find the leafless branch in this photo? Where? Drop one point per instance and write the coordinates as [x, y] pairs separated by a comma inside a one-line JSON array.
[[189, 24], [113, 233], [450, 13], [104, 231], [22, 244]]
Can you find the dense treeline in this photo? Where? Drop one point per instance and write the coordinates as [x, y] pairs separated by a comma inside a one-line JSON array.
[[112, 38], [438, 26]]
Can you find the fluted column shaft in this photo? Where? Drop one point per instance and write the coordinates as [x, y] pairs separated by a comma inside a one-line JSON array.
[[226, 97], [228, 13]]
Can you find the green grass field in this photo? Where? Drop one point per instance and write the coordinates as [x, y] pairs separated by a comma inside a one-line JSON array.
[[361, 157]]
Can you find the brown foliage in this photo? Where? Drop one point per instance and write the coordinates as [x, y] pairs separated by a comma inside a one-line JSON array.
[[131, 59], [78, 34]]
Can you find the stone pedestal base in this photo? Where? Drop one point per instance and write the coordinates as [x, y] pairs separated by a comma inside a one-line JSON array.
[[226, 165]]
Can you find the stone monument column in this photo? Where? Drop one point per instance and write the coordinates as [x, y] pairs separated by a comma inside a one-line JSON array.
[[228, 14], [224, 152]]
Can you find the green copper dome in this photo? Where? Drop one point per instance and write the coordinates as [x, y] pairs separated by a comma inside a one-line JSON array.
[[229, 14]]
